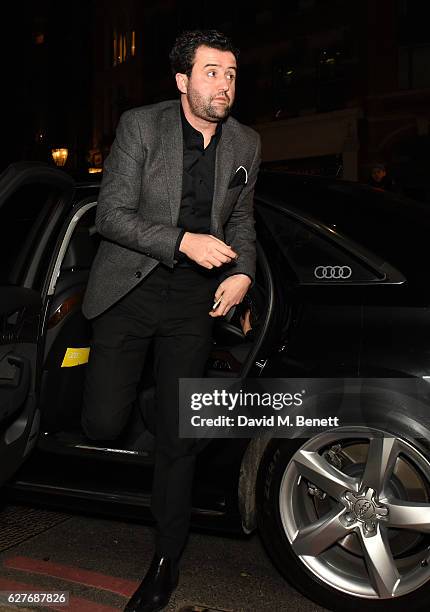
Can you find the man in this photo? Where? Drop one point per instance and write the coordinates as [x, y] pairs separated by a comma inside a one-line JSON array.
[[379, 178], [176, 214]]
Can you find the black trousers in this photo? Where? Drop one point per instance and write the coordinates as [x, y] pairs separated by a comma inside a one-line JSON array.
[[170, 306]]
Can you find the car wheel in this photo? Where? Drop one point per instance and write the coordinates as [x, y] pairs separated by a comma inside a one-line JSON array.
[[345, 516]]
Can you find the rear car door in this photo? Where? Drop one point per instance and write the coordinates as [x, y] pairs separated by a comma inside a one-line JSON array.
[[34, 199]]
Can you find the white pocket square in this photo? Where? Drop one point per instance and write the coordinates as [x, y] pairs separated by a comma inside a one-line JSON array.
[[240, 177], [246, 173]]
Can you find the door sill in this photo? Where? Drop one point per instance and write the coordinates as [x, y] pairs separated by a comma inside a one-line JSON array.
[[76, 444]]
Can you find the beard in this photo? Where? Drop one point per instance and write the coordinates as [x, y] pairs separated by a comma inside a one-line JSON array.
[[204, 108]]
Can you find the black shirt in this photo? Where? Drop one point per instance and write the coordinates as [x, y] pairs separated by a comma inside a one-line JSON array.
[[198, 180]]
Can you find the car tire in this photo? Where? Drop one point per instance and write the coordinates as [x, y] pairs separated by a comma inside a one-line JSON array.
[[289, 503]]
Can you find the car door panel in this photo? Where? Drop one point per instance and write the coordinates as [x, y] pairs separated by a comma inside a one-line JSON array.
[[20, 312], [33, 199], [14, 384]]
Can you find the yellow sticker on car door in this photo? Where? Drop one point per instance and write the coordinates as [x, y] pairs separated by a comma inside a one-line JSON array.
[[75, 357]]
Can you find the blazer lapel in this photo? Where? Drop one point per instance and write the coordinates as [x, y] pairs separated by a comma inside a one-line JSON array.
[[172, 143], [223, 170]]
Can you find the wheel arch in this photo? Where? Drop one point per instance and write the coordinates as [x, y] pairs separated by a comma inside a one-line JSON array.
[[247, 485]]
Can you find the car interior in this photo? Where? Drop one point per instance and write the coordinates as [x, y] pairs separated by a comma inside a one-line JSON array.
[[62, 387]]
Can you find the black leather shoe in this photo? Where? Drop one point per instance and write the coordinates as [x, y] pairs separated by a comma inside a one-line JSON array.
[[155, 590]]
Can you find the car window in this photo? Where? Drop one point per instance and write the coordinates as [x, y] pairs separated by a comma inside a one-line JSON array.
[[393, 227], [314, 258], [23, 218]]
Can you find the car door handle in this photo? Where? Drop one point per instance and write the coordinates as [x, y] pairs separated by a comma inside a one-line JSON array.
[[11, 375]]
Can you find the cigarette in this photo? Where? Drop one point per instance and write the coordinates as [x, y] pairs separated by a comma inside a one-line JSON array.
[[216, 304]]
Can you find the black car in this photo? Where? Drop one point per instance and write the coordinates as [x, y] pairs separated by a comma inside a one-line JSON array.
[[341, 292]]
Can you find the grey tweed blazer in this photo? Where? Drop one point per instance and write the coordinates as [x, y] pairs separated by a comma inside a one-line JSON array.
[[140, 198]]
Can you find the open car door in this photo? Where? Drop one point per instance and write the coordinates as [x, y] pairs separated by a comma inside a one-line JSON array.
[[34, 199]]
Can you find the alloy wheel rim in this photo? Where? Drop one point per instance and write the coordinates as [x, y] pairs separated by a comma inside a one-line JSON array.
[[351, 543]]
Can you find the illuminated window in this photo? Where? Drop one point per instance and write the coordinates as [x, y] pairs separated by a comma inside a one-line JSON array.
[[123, 46]]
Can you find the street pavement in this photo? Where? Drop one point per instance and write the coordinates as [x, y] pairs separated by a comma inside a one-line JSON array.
[[101, 561]]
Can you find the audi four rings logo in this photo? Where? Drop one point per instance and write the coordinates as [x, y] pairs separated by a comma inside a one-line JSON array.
[[363, 507], [332, 272]]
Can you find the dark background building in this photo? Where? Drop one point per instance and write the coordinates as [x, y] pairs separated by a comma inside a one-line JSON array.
[[47, 81], [331, 86]]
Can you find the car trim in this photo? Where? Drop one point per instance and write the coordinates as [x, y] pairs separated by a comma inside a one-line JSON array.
[[135, 500], [65, 243]]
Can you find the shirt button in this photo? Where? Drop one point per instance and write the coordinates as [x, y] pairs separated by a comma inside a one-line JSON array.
[[138, 274]]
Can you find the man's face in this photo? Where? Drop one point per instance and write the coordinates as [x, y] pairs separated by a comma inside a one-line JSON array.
[[378, 174], [210, 88]]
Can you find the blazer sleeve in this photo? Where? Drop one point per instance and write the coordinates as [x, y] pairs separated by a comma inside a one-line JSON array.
[[118, 218], [239, 231]]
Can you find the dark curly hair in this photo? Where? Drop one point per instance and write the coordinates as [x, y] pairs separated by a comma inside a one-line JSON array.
[[184, 50]]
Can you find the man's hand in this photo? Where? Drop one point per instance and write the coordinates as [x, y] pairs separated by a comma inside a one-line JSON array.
[[231, 292], [206, 250]]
